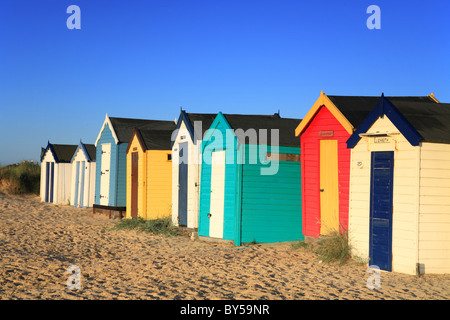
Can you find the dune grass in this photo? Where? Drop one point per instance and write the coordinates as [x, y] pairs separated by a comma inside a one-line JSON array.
[[333, 248], [21, 178], [158, 226]]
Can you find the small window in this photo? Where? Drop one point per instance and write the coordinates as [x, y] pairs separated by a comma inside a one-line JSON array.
[[169, 157]]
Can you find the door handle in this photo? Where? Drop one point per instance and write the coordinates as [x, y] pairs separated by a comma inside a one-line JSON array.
[[322, 190], [209, 215]]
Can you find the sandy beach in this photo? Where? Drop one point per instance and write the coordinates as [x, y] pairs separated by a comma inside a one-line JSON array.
[[39, 241]]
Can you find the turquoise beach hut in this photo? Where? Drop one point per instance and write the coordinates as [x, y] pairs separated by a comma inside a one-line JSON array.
[[250, 188]]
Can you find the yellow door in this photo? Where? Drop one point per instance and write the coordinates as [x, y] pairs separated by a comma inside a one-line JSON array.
[[329, 187]]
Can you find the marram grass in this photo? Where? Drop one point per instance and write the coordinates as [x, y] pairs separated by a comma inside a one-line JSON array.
[[21, 178], [333, 248], [158, 226]]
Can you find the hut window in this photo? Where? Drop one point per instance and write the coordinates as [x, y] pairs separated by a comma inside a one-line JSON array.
[[285, 156], [169, 157]]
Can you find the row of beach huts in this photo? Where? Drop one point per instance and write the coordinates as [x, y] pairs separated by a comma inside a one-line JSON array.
[[374, 168]]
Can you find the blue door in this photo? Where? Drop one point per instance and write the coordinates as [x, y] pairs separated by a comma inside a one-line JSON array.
[[51, 182], [83, 169], [47, 181], [182, 182], [381, 201], [77, 182]]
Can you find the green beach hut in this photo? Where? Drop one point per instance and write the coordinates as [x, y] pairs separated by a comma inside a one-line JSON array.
[[250, 188]]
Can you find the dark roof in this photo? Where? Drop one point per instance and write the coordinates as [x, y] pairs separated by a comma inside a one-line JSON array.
[[63, 152], [156, 139], [357, 108], [124, 126], [206, 119], [91, 150], [286, 126], [431, 121]]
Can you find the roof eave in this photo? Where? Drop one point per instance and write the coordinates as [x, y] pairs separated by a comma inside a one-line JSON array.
[[323, 100], [107, 122]]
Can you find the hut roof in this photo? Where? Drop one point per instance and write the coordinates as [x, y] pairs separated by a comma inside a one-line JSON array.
[[431, 121], [286, 127], [123, 127], [357, 108]]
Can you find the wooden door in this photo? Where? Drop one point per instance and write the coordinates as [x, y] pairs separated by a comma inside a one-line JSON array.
[[381, 201], [105, 174], [134, 184], [217, 194], [329, 187], [182, 183]]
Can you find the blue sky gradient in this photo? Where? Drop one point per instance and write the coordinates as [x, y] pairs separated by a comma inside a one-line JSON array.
[[146, 59]]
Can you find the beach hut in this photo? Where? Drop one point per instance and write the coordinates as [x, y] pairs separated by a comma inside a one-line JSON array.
[[399, 216], [250, 180], [83, 176], [56, 173], [186, 166], [111, 160], [149, 174], [323, 134]]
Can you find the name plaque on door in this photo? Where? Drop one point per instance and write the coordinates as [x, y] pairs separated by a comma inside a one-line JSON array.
[[326, 133], [381, 140]]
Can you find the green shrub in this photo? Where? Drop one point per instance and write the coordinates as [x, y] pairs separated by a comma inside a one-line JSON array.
[[21, 178], [159, 226]]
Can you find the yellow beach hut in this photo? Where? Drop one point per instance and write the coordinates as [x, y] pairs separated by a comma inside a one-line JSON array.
[[149, 174], [399, 217]]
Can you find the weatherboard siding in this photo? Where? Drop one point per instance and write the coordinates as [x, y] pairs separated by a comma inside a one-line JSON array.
[[434, 227], [121, 175], [159, 184], [271, 204], [62, 179]]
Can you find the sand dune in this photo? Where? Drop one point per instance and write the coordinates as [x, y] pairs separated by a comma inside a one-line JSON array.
[[39, 241]]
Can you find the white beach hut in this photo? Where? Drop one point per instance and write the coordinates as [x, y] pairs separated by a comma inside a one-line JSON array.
[[56, 173], [186, 166], [83, 176], [399, 216]]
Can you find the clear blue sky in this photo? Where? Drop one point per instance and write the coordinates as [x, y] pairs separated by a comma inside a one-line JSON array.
[[145, 59]]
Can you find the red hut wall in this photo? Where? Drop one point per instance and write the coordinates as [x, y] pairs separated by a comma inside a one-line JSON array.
[[322, 124]]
